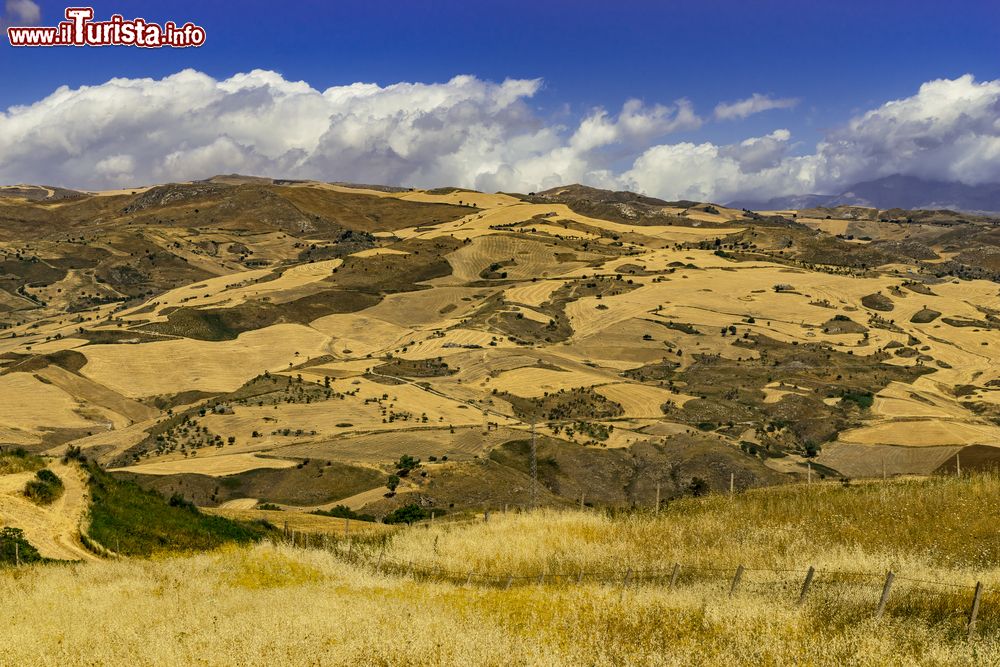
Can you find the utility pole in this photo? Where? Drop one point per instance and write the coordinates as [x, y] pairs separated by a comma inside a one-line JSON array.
[[534, 468]]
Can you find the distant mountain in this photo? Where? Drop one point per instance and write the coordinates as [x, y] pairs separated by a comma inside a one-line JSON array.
[[906, 192]]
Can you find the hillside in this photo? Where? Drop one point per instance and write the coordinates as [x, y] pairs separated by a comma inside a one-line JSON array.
[[560, 588], [241, 341]]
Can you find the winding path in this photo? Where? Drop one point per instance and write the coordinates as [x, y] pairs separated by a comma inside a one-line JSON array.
[[53, 529]]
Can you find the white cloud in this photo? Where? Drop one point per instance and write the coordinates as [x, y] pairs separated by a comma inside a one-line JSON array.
[[949, 130], [756, 103], [20, 12], [472, 133], [463, 132], [708, 172]]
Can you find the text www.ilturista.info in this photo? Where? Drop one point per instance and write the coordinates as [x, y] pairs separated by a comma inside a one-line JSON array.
[[79, 29]]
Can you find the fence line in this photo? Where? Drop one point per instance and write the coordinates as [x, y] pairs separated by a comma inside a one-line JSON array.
[[734, 578]]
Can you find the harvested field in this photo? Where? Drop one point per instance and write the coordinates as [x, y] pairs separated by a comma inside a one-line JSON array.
[[533, 294], [29, 404], [638, 400], [463, 443], [532, 382], [867, 460], [215, 466], [527, 258], [169, 366], [923, 433], [360, 335]]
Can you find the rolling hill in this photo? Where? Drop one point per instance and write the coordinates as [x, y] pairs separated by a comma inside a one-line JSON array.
[[244, 341]]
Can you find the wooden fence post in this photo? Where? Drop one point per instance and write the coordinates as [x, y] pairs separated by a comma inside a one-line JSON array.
[[468, 581], [579, 577], [657, 510], [806, 584], [673, 575], [510, 580], [974, 612], [347, 528], [628, 577], [732, 484], [886, 589], [486, 516], [17, 555], [736, 581]]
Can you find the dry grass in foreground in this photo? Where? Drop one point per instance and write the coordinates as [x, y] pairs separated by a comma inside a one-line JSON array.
[[939, 527], [266, 605]]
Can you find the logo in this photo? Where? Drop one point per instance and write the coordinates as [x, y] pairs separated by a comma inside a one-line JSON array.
[[80, 29]]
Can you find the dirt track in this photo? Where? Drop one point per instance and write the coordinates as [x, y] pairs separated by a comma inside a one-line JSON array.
[[53, 529]]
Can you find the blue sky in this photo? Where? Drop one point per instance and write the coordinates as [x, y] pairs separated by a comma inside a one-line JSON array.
[[839, 59]]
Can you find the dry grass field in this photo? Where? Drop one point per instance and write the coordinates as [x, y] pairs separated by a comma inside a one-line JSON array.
[[268, 605]]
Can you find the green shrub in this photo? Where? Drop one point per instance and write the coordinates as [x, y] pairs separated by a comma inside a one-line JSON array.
[[409, 514], [863, 400], [45, 488], [15, 549], [269, 506], [698, 487]]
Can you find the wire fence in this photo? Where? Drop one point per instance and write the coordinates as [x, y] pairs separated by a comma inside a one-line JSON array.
[[798, 584]]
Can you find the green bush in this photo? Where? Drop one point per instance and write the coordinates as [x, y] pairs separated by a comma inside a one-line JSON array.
[[269, 506], [14, 548], [698, 487], [45, 488], [863, 400], [409, 514]]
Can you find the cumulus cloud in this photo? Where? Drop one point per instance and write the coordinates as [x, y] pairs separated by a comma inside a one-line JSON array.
[[20, 12], [756, 103], [464, 131], [949, 130], [473, 133], [709, 172]]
